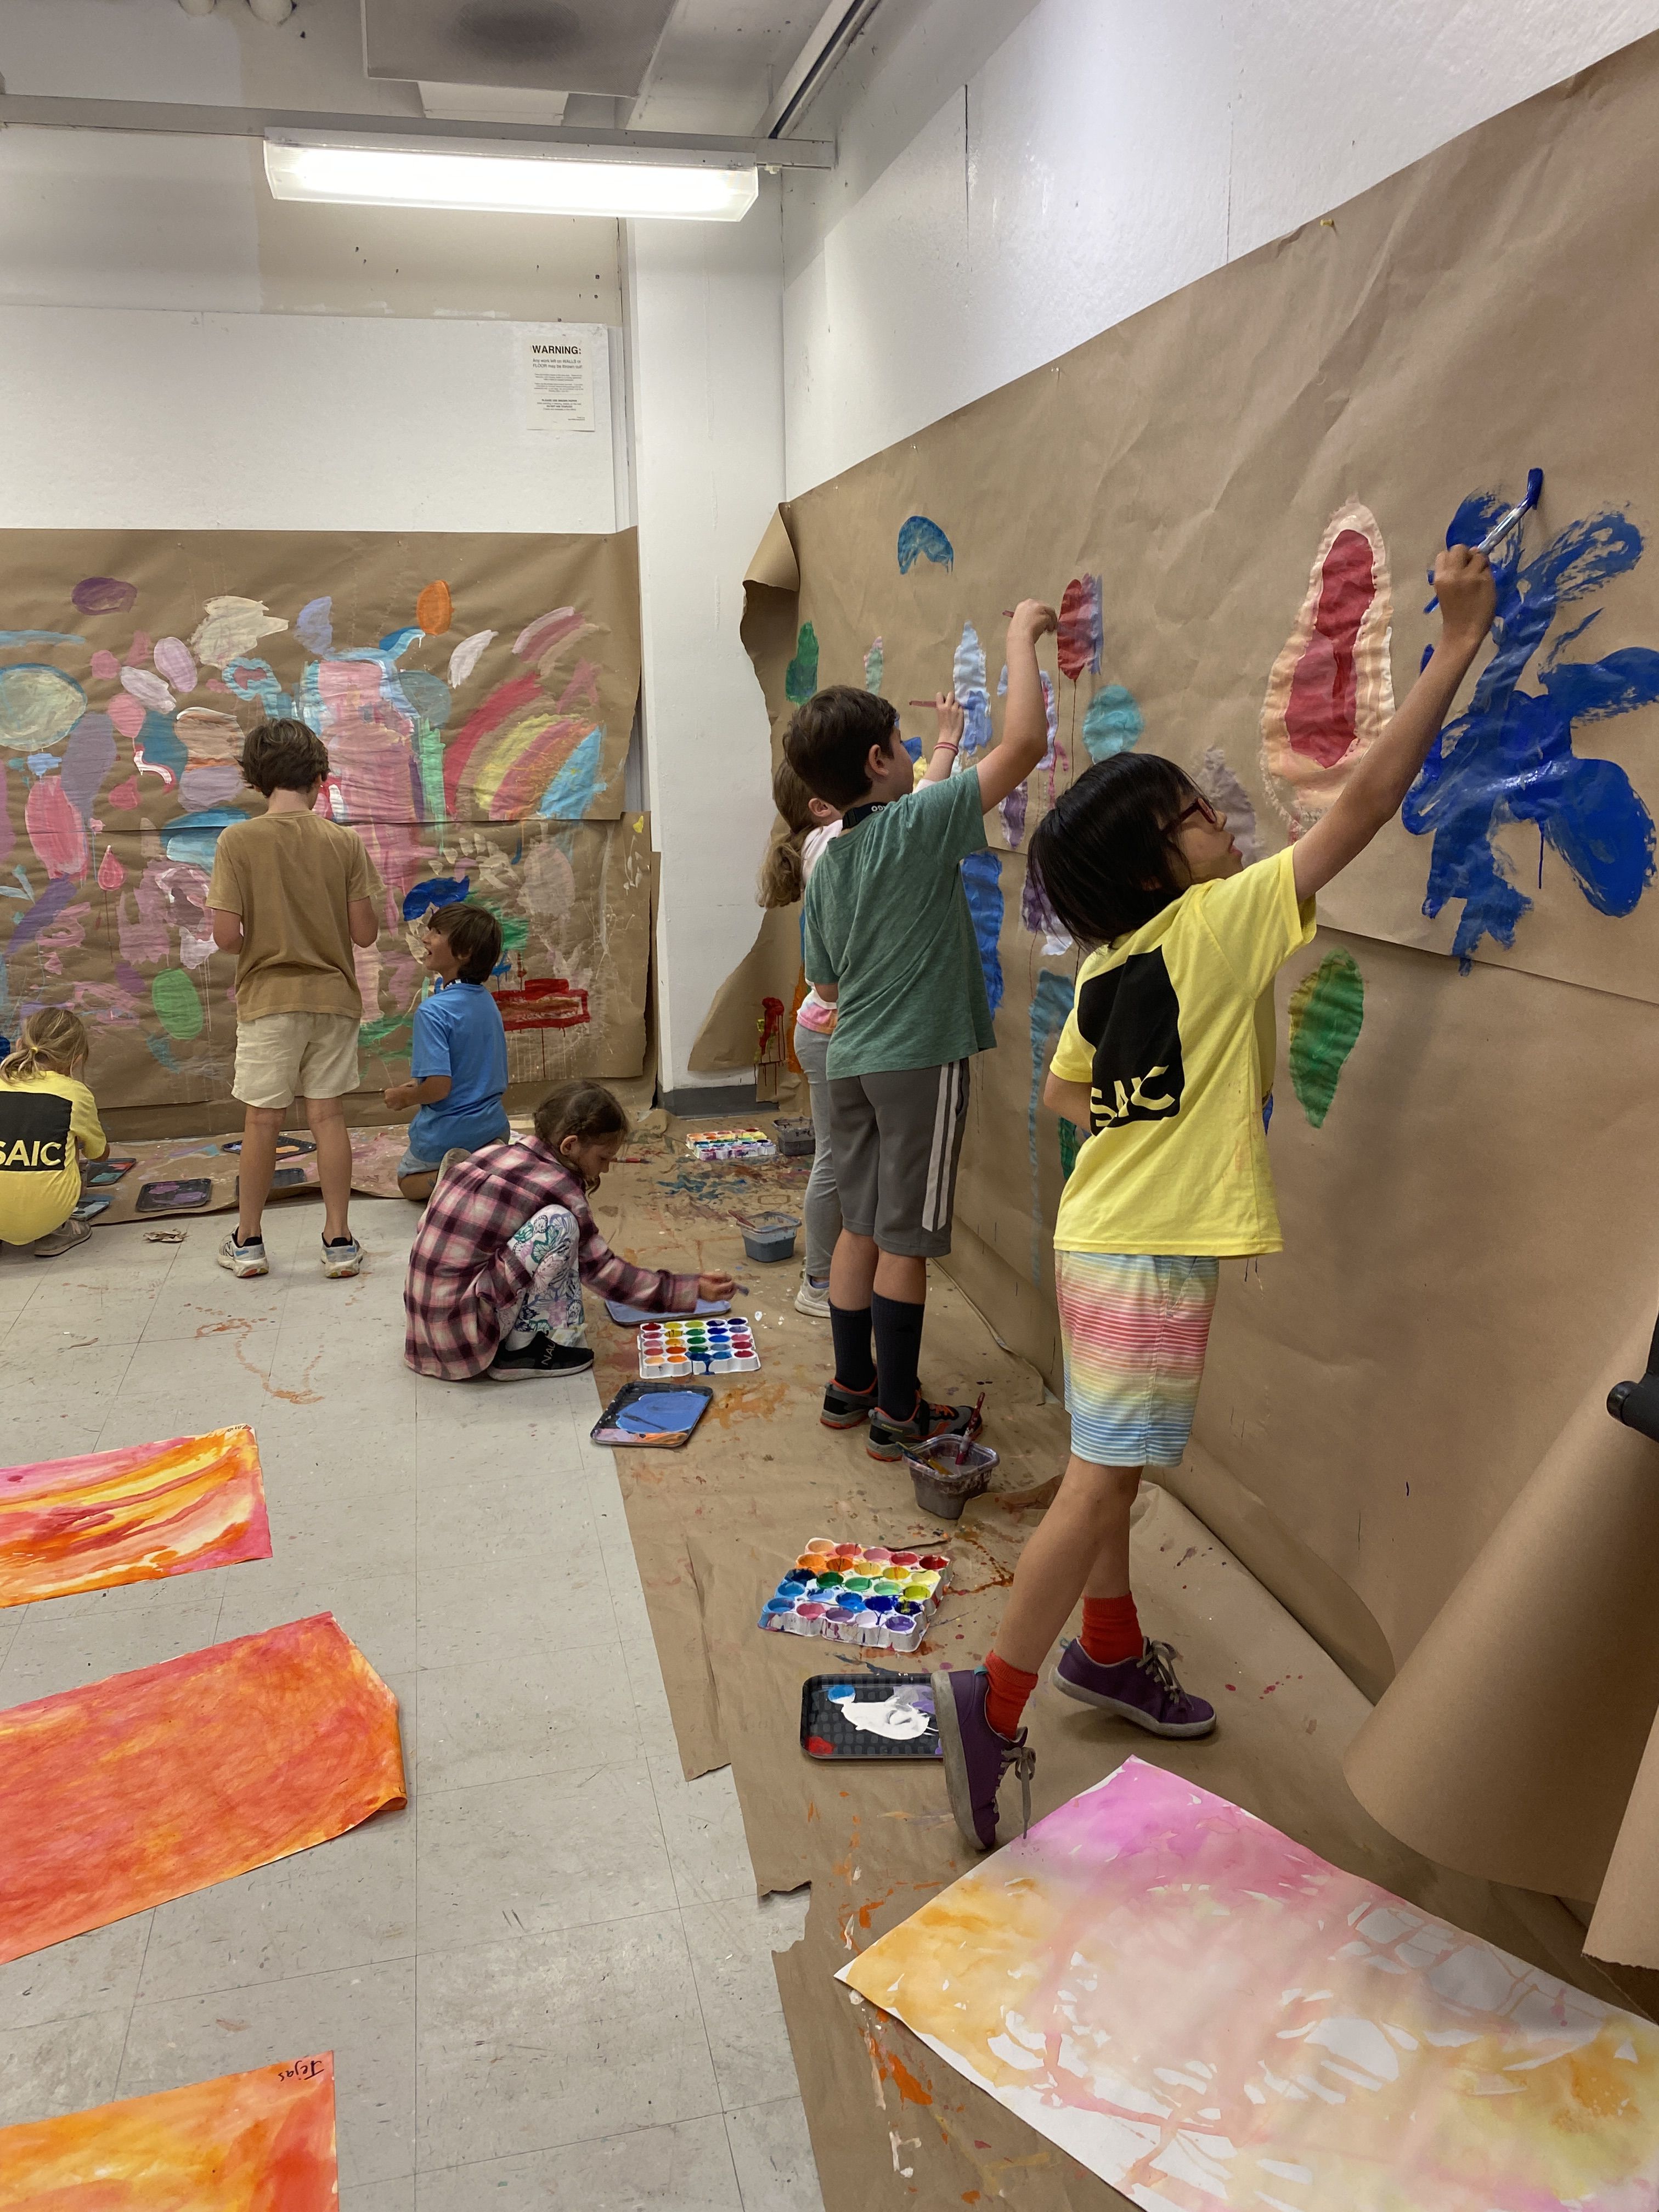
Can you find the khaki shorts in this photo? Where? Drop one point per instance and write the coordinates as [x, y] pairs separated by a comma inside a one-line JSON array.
[[280, 1057]]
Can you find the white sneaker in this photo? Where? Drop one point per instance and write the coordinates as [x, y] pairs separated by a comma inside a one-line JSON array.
[[809, 1299], [243, 1259], [343, 1259]]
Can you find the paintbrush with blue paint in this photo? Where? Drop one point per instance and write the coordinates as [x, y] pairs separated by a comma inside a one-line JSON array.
[[1512, 519]]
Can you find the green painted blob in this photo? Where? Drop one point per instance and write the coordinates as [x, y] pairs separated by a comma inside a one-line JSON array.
[[800, 679], [177, 1003], [1327, 1010], [1071, 1138]]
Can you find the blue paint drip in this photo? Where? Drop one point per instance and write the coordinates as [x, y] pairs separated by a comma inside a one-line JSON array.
[[981, 877], [44, 763], [1112, 722], [250, 677], [435, 891], [192, 837], [1510, 757], [968, 683], [314, 624], [394, 645], [578, 783], [1051, 1002], [919, 538], [161, 745], [913, 747]]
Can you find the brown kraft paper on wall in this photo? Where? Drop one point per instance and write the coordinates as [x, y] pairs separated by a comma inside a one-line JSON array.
[[476, 694], [1460, 1246]]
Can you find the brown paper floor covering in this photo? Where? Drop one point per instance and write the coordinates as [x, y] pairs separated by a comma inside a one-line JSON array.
[[713, 1526]]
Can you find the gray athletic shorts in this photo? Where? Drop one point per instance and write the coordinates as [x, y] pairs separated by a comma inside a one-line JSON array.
[[896, 1139]]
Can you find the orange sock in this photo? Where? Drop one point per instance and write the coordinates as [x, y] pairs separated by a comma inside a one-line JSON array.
[[1111, 1630], [1010, 1688]]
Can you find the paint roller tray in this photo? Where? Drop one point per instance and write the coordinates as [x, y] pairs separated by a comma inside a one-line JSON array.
[[888, 1707], [671, 1349]]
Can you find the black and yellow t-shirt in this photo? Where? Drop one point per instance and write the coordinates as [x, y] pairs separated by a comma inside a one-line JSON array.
[[1172, 1029], [42, 1119]]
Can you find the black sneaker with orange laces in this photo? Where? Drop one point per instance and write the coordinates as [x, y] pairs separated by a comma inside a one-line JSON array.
[[892, 1439]]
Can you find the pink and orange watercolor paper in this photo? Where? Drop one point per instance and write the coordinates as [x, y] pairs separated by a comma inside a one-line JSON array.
[[149, 1785], [137, 1514], [1207, 2015], [262, 2141]]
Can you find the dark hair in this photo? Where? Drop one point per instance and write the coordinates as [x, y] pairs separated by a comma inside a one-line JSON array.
[[1104, 857], [827, 744], [474, 935], [283, 756], [579, 1108]]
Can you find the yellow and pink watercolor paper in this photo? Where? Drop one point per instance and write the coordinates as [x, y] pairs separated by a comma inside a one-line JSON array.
[[1207, 2014], [262, 2141], [137, 1514]]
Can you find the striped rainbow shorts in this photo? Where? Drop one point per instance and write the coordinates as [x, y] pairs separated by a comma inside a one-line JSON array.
[[1134, 1326]]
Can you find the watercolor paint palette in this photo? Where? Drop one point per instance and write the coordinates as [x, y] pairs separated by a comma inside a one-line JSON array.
[[859, 1593], [714, 1145], [673, 1347], [879, 1715]]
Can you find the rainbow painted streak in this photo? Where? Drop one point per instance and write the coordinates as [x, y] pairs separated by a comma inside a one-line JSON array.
[[514, 744], [245, 2143], [129, 1517], [1207, 2015], [128, 1792]]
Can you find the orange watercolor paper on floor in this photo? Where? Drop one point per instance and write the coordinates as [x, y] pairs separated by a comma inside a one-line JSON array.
[[149, 1785], [247, 2143], [131, 1516]]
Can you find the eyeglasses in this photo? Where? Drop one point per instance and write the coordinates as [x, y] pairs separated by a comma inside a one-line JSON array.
[[1202, 806]]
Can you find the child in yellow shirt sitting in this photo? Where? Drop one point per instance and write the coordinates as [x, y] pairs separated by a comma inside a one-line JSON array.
[[48, 1122]]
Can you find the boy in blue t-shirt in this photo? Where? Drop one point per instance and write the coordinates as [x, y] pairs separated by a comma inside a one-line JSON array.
[[458, 1066]]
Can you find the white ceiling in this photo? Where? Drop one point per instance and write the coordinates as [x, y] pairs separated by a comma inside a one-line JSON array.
[[689, 65]]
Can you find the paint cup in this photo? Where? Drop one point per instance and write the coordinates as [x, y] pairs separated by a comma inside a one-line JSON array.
[[859, 1582], [905, 1558], [881, 1606], [828, 1580], [876, 1552], [919, 1592], [935, 1562], [776, 1608], [791, 1589], [852, 1601], [821, 1544], [808, 1563], [906, 1607], [848, 1551]]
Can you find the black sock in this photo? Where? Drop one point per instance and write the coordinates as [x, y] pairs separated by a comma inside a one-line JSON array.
[[855, 1366], [897, 1327]]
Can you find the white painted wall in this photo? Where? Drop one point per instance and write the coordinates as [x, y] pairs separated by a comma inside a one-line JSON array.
[[995, 203], [706, 397], [156, 419]]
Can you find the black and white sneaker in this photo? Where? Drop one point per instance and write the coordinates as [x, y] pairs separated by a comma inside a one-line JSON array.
[[541, 1358]]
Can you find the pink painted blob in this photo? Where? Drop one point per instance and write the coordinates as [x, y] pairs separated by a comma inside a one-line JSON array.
[[56, 830]]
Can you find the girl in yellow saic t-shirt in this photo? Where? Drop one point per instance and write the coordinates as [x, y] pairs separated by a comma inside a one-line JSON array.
[[1165, 1059], [47, 1121]]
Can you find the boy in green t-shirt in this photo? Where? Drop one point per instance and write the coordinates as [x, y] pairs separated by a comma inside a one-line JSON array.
[[888, 938]]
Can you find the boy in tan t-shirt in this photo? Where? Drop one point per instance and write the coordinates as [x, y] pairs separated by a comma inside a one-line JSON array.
[[292, 893]]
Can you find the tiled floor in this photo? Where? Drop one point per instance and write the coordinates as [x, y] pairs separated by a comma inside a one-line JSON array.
[[548, 1980]]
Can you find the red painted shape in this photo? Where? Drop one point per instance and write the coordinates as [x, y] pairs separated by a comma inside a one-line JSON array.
[[818, 1748], [1318, 715], [1075, 635], [548, 1003], [482, 722]]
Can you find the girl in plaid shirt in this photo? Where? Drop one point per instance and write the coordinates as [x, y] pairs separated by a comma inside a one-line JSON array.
[[507, 1240]]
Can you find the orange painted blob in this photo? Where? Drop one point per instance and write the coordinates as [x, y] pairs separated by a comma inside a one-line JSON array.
[[247, 2143], [132, 1515], [152, 1784], [433, 610]]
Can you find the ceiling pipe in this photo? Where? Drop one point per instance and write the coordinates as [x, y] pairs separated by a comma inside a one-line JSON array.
[[837, 28]]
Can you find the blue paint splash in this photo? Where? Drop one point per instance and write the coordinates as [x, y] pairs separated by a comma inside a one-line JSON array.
[[981, 877], [1510, 757], [193, 837], [1051, 1002], [921, 539], [40, 637], [314, 624], [250, 677], [44, 763], [51, 902], [435, 891], [161, 746], [578, 783], [968, 683], [1112, 722]]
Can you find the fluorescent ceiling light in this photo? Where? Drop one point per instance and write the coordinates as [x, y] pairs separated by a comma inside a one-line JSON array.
[[691, 188]]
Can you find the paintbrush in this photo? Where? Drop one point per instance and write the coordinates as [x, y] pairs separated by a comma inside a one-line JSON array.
[[1511, 520]]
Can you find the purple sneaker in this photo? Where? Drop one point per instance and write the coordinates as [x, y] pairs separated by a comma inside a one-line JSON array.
[[975, 1756], [1144, 1690]]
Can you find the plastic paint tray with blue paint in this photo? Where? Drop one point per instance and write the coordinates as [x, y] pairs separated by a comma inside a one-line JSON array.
[[650, 1414]]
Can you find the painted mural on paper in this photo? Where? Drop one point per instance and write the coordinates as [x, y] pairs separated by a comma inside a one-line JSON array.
[[462, 750]]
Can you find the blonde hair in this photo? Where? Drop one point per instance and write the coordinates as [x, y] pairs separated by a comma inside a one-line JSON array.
[[50, 1042], [782, 876]]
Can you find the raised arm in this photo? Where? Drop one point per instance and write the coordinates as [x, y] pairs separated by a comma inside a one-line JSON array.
[[951, 719], [1376, 791], [1025, 720]]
